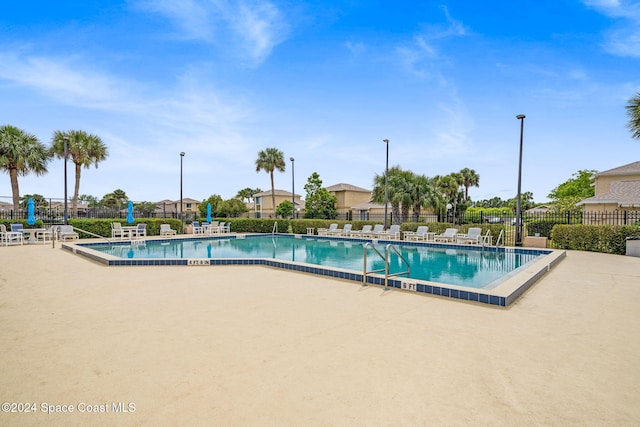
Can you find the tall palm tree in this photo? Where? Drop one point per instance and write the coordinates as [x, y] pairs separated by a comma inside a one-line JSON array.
[[270, 160], [20, 154], [84, 149], [470, 178], [399, 191], [424, 194], [633, 111], [450, 186]]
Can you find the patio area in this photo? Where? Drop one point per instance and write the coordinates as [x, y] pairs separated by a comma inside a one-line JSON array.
[[231, 345]]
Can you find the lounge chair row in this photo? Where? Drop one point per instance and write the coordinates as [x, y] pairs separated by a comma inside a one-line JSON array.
[[377, 232], [450, 235]]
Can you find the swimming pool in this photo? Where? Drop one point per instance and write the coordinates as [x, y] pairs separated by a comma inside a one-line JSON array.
[[456, 271]]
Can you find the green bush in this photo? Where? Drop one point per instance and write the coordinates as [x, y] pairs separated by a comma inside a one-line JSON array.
[[594, 238], [542, 226], [102, 226]]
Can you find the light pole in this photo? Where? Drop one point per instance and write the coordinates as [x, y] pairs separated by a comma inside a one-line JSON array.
[[293, 187], [66, 214], [181, 220], [386, 184], [518, 206]]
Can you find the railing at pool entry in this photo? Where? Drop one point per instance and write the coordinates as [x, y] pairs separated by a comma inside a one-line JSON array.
[[390, 247], [275, 228]]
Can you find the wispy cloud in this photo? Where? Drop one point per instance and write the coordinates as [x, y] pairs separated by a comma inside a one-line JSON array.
[[254, 26], [623, 39], [420, 55]]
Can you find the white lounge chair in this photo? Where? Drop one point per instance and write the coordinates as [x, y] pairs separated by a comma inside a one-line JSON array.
[[66, 232], [117, 231], [365, 232], [326, 231], [10, 237], [166, 230], [448, 236], [46, 235], [473, 236], [392, 233], [197, 229], [422, 233], [140, 231], [341, 232], [225, 228], [377, 229]]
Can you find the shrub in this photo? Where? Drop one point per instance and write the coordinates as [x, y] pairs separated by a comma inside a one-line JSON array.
[[595, 238], [102, 226], [542, 226]]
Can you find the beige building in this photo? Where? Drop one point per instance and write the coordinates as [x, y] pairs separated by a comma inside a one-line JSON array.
[[617, 198], [351, 200], [263, 204], [168, 208]]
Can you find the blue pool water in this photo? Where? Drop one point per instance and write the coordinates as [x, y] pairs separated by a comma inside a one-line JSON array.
[[453, 265]]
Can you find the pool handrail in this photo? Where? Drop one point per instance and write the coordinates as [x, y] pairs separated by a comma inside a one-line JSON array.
[[83, 231], [390, 247], [384, 258], [364, 269]]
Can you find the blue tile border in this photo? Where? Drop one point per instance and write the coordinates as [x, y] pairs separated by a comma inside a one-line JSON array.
[[440, 289]]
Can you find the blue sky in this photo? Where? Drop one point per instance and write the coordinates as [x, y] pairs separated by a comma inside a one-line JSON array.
[[325, 82]]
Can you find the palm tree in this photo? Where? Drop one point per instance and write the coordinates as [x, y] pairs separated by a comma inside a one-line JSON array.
[[84, 149], [270, 160], [633, 111], [470, 178], [399, 192], [450, 187], [424, 194], [20, 154]]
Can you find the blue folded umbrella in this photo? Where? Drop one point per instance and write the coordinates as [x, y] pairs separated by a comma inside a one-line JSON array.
[[130, 213], [31, 219]]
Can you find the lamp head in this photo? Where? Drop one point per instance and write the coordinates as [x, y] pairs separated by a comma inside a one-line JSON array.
[[386, 141], [182, 154], [291, 158], [520, 116]]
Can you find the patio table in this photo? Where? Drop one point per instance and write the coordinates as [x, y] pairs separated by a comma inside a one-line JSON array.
[[32, 232]]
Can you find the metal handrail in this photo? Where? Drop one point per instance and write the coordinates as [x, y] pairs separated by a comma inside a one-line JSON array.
[[53, 241], [500, 237], [275, 228], [386, 273], [364, 274], [384, 258]]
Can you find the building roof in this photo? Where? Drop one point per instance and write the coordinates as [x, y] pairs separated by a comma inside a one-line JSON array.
[[347, 187], [276, 192], [366, 206], [629, 169], [625, 194]]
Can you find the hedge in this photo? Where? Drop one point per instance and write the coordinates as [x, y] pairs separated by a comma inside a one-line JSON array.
[[542, 226], [594, 238]]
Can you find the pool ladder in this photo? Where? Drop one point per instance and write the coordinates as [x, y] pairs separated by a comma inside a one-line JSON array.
[[385, 258]]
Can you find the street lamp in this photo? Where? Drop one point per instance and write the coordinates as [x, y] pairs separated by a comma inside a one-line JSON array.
[[293, 203], [518, 206], [66, 215], [386, 184], [181, 220]]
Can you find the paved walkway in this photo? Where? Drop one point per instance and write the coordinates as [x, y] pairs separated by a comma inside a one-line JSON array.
[[255, 346]]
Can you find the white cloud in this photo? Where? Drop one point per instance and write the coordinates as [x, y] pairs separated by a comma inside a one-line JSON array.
[[623, 39], [254, 26], [419, 56]]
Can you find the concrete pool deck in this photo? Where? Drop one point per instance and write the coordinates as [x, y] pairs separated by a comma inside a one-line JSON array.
[[231, 345]]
